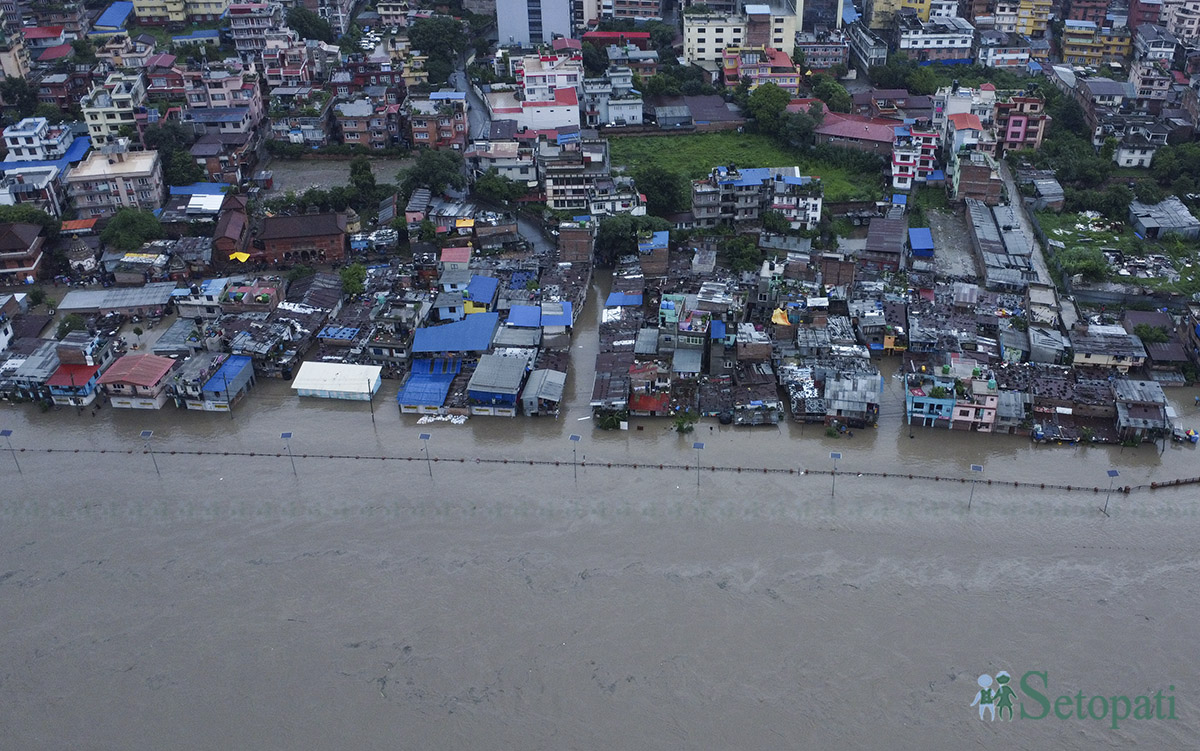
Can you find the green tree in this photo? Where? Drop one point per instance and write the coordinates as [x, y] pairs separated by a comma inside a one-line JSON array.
[[595, 60], [428, 232], [84, 51], [1109, 148], [354, 279], [923, 81], [832, 93], [179, 168], [309, 25], [300, 272], [767, 104], [1149, 192], [617, 234], [19, 94], [436, 170], [666, 192], [72, 322], [129, 229], [1150, 334], [798, 127], [361, 176], [493, 186], [742, 254], [775, 222], [37, 296]]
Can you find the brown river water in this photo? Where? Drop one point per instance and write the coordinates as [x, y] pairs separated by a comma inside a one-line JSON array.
[[229, 603]]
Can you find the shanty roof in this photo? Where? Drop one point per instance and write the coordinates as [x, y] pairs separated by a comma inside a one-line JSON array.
[[139, 369]]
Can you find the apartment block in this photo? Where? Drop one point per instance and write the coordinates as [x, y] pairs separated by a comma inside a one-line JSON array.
[[34, 139], [112, 105], [705, 36], [823, 50], [525, 23], [730, 195], [249, 24], [113, 178], [1033, 17], [438, 120], [928, 41]]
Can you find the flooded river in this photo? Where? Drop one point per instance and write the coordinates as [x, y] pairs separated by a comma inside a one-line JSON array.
[[229, 603]]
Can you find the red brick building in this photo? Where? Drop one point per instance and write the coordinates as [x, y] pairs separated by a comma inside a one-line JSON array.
[[316, 238]]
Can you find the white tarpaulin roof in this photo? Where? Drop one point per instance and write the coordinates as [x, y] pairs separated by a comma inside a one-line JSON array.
[[337, 376]]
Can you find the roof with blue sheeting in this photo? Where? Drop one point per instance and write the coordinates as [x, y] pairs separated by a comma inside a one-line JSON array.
[[200, 189], [899, 199], [657, 240], [229, 371], [920, 238], [558, 319], [472, 334], [621, 300], [525, 316], [199, 34], [482, 288], [75, 153], [114, 16], [717, 331], [429, 383]]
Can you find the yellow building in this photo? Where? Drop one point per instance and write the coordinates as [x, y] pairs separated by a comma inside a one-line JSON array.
[[160, 12], [1081, 43], [1116, 44], [14, 58], [205, 10], [1033, 16], [109, 107], [883, 11]]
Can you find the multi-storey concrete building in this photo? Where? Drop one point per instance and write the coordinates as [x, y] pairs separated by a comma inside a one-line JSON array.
[[285, 60], [113, 178], [823, 50], [34, 139], [998, 49], [438, 120], [759, 65], [1020, 122], [1182, 18], [942, 39], [362, 122], [705, 36], [1033, 18], [300, 114], [1144, 11], [637, 9], [217, 88], [524, 23], [914, 154], [160, 12], [249, 24], [867, 49], [1154, 42], [1087, 10], [112, 105], [611, 99], [731, 195]]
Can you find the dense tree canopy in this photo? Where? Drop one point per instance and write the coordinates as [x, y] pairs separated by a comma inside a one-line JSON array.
[[24, 212], [493, 186], [618, 234], [832, 93], [309, 25], [767, 104], [666, 192], [354, 279], [435, 170], [129, 229], [442, 39]]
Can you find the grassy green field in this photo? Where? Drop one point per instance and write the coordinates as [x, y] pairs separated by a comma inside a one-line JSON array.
[[696, 154]]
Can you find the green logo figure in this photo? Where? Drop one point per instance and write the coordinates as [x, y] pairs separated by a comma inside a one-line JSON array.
[[1004, 694]]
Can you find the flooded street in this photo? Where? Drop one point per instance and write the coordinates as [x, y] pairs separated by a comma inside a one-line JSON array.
[[229, 603]]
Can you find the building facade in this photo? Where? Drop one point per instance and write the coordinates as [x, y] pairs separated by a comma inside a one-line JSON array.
[[113, 178]]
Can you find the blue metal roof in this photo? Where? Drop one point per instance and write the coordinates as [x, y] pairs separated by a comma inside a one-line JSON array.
[[920, 238], [525, 316], [899, 199], [114, 16], [657, 240], [448, 95], [937, 174], [472, 334], [200, 189], [338, 332], [201, 34], [482, 288], [228, 372], [429, 383], [75, 153], [901, 131], [718, 330], [217, 115], [620, 299], [558, 320]]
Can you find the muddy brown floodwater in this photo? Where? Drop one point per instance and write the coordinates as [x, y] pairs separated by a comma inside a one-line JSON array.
[[229, 603]]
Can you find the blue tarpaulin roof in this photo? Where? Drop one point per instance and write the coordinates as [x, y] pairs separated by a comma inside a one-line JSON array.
[[114, 16], [563, 319], [899, 199], [472, 334], [429, 383], [620, 300], [338, 332], [200, 189], [227, 373], [920, 238], [75, 152], [525, 316], [937, 174], [718, 330], [482, 289]]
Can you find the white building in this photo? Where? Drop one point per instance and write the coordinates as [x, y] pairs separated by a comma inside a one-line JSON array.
[[34, 139], [336, 380], [525, 23], [706, 36], [611, 100]]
